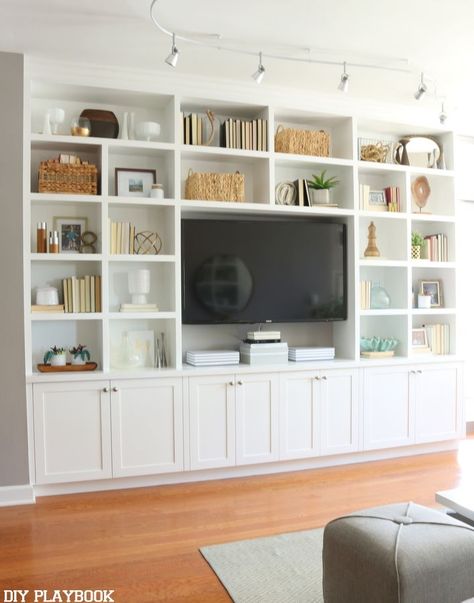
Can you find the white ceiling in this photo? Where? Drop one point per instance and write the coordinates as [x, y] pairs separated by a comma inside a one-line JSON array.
[[433, 35]]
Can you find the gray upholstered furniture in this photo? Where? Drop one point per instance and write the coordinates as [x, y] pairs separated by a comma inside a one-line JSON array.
[[401, 553]]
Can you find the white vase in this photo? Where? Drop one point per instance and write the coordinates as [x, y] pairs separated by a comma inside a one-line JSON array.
[[124, 128], [319, 196], [77, 360], [58, 360], [139, 285]]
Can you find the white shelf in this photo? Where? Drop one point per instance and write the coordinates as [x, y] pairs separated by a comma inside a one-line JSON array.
[[429, 264], [37, 316], [385, 263], [65, 198], [141, 258], [386, 312], [433, 311], [66, 257], [432, 218], [384, 215], [113, 200], [141, 315], [310, 160], [219, 153], [112, 143]]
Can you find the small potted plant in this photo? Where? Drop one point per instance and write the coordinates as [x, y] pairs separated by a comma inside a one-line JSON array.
[[55, 356], [320, 187], [80, 355], [417, 241]]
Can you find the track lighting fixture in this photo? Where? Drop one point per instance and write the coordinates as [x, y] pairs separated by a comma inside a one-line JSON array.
[[172, 58], [344, 83], [443, 116], [421, 90], [260, 73]]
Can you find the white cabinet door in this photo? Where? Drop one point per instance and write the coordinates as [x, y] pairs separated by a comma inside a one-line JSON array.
[[438, 403], [339, 417], [256, 417], [389, 409], [72, 431], [147, 426], [212, 421], [298, 421]]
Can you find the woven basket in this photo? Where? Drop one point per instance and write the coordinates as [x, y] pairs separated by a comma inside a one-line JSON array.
[[215, 187], [302, 142], [55, 177]]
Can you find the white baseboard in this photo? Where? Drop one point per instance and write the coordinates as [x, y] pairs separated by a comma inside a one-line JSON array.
[[16, 495], [242, 471]]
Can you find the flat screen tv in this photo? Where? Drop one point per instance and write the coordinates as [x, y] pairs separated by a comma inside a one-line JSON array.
[[256, 271]]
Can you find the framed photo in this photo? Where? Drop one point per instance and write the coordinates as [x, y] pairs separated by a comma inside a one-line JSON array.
[[433, 289], [419, 338], [131, 182], [70, 233], [377, 201]]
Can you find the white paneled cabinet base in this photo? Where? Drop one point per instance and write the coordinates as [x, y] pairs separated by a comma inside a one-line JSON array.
[[178, 422]]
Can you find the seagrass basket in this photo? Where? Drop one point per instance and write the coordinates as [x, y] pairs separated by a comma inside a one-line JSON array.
[[302, 142], [215, 186], [55, 177]]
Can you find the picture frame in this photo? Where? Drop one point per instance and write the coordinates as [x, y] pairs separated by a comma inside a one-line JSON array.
[[377, 201], [134, 182], [419, 338], [433, 289], [70, 232]]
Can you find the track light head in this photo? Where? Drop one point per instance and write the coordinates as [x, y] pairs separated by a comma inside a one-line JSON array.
[[260, 73], [421, 90], [172, 58], [443, 116], [344, 83]]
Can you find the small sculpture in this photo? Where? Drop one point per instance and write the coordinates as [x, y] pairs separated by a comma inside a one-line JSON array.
[[371, 250]]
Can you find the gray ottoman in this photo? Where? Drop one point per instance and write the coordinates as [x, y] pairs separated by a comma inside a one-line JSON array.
[[401, 553]]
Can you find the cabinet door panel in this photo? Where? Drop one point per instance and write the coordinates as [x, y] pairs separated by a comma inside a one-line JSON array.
[[298, 421], [388, 407], [256, 419], [147, 426], [339, 412], [212, 421], [437, 403], [72, 431]]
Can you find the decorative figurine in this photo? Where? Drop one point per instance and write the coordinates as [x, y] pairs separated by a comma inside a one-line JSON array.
[[371, 249]]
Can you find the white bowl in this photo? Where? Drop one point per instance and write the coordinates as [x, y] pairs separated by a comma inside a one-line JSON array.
[[47, 296], [147, 130]]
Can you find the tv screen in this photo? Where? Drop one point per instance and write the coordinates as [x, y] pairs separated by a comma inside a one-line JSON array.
[[252, 271]]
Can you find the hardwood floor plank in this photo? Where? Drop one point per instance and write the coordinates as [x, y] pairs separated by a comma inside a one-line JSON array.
[[144, 543]]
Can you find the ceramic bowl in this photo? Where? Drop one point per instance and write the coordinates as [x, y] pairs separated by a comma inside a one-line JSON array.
[[147, 130]]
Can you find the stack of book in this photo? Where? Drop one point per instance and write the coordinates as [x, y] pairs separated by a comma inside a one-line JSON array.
[[48, 308], [438, 338], [365, 289], [392, 199], [250, 135], [435, 248], [212, 357], [121, 237], [301, 354], [264, 353], [302, 193], [82, 294]]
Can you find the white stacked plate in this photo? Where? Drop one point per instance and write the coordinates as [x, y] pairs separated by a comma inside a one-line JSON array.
[[301, 354], [212, 357]]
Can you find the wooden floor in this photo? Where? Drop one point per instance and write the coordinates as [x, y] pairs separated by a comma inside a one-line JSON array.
[[144, 542]]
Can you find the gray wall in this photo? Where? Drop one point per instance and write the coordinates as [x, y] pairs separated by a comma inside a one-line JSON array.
[[13, 431]]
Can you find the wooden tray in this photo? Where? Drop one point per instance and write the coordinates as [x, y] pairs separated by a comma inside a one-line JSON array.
[[377, 354], [47, 368]]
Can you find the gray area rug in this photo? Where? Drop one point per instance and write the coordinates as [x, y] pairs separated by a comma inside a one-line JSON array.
[[278, 569]]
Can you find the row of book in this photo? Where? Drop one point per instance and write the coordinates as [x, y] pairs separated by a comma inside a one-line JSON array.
[[438, 338], [82, 294], [365, 289], [121, 238], [387, 199], [250, 135], [193, 128], [435, 248]]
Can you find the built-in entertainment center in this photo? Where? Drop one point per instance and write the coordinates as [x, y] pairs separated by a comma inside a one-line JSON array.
[[225, 268]]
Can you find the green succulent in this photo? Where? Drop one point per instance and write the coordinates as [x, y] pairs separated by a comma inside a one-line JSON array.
[[54, 351], [80, 352], [321, 182], [417, 239]]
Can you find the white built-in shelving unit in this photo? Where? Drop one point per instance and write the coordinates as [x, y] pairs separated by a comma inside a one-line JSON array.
[[172, 161]]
